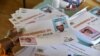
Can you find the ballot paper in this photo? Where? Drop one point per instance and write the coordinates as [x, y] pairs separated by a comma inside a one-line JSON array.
[[27, 41], [86, 26], [25, 16], [19, 13], [66, 49], [49, 32]]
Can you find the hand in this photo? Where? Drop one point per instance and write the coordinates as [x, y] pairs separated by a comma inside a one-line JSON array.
[[13, 32]]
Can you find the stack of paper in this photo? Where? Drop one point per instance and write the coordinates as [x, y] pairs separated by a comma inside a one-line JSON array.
[[86, 26], [47, 32], [40, 29], [44, 26]]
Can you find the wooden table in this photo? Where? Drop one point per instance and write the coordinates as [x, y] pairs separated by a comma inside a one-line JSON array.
[[89, 3], [10, 6]]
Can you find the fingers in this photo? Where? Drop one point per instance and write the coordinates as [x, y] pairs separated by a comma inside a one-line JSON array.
[[14, 32]]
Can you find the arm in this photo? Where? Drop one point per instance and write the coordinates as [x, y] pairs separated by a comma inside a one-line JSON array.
[[7, 44]]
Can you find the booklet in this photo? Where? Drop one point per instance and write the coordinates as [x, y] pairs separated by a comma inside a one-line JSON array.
[[86, 26]]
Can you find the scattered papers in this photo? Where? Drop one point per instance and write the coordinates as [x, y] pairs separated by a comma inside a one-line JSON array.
[[49, 32], [43, 26]]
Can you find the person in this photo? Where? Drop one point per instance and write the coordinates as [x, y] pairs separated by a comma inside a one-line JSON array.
[[7, 44], [87, 32], [59, 26]]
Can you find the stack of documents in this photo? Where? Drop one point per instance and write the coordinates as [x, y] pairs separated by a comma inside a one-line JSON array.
[[49, 32], [44, 26]]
